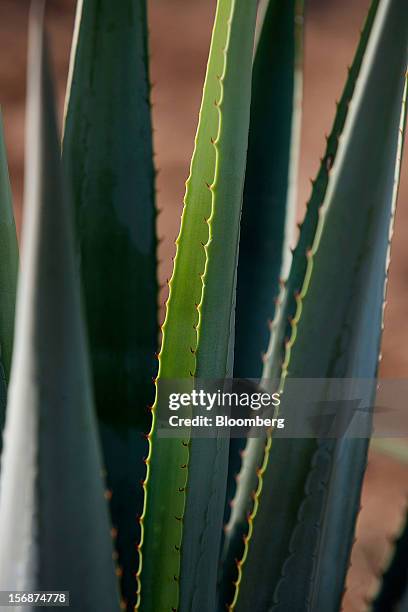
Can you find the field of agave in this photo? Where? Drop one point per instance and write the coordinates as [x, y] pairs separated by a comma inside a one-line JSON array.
[[92, 499]]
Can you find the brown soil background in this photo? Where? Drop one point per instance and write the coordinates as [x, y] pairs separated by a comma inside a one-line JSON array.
[[180, 33]]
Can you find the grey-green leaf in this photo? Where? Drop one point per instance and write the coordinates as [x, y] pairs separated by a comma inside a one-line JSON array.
[[54, 525], [351, 245], [285, 453]]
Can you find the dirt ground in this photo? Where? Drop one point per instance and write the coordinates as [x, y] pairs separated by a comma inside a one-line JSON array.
[[180, 32]]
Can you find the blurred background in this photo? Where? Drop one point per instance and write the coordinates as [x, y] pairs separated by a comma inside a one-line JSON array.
[[179, 35]]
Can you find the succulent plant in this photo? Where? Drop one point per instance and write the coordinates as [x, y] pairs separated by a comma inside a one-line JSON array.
[[92, 499]]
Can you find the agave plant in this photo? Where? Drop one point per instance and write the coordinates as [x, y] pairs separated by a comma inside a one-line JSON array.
[[92, 499]]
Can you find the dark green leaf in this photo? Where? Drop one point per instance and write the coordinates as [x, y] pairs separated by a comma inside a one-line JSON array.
[[8, 262], [107, 153]]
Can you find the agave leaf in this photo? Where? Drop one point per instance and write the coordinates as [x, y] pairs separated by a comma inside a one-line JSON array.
[[8, 261], [362, 196], [8, 277], [54, 522], [288, 456], [107, 153], [351, 245], [269, 207], [208, 465], [198, 329]]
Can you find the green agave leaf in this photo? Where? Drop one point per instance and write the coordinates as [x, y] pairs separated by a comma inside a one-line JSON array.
[[269, 207], [393, 592], [208, 465], [107, 154], [182, 526], [351, 245], [8, 277], [54, 522], [286, 456]]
